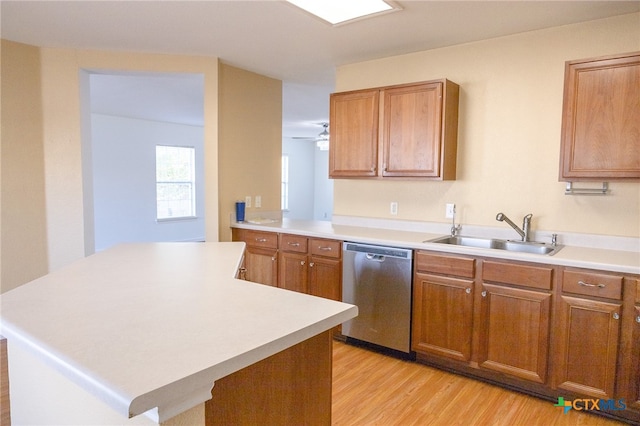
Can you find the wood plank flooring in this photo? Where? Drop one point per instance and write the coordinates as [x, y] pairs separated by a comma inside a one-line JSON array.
[[374, 389]]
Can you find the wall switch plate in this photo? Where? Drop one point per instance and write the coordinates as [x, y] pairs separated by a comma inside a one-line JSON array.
[[393, 208], [450, 211], [247, 201], [258, 202]]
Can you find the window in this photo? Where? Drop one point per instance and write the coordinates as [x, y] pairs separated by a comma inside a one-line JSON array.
[[284, 190], [175, 182]]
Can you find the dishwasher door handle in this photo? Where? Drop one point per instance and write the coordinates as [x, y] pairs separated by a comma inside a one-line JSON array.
[[375, 257]]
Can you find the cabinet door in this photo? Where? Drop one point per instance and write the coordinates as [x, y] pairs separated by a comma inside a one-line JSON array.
[[588, 335], [635, 387], [442, 316], [354, 134], [261, 266], [293, 271], [514, 331], [600, 125], [325, 278], [412, 130]]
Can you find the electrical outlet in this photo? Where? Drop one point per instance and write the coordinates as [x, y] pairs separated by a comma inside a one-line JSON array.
[[393, 208], [258, 202], [450, 211], [247, 201]]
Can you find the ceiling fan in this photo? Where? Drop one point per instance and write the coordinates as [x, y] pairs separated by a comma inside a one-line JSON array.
[[322, 140]]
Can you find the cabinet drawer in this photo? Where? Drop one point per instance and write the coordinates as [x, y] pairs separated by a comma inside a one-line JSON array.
[[447, 265], [262, 239], [293, 243], [326, 248], [524, 275], [592, 284]]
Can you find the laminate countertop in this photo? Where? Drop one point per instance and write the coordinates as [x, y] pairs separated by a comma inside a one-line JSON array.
[[605, 259], [156, 324]]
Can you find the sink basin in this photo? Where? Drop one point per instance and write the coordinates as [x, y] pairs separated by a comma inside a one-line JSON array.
[[491, 243]]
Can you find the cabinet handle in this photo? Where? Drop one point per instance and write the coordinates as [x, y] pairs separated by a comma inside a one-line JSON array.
[[311, 265], [273, 259], [261, 240], [467, 290], [484, 293], [324, 248], [616, 316], [584, 284], [302, 262], [293, 244]]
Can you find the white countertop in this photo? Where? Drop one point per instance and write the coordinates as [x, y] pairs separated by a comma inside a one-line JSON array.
[[141, 325], [622, 261]]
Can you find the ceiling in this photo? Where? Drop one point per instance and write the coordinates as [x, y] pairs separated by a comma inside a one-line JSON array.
[[273, 38]]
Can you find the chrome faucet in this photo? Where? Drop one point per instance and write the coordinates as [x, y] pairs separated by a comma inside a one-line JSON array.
[[455, 229], [526, 225]]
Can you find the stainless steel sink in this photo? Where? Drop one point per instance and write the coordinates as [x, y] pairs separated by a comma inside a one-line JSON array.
[[491, 243]]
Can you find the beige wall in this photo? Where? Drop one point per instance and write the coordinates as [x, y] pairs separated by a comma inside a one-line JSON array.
[[250, 147], [23, 214], [52, 124], [509, 132]]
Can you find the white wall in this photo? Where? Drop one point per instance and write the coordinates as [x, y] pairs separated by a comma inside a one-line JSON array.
[[323, 187], [301, 178], [310, 189], [124, 190]]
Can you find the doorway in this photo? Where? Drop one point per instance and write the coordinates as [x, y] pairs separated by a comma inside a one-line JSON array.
[[125, 117]]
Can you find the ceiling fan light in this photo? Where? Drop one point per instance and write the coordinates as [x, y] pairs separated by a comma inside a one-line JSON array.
[[323, 144]]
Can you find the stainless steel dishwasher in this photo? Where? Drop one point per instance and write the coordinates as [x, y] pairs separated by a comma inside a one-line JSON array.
[[378, 280]]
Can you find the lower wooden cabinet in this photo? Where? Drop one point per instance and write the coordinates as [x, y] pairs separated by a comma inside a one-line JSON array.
[[443, 316], [442, 320], [588, 333], [515, 319], [294, 262], [261, 256]]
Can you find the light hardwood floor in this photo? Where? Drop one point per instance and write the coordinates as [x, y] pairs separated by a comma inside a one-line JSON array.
[[374, 389]]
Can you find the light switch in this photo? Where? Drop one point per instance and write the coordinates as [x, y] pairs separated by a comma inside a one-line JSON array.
[[258, 201]]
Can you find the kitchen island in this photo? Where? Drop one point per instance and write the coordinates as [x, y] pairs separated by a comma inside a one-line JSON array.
[[148, 329]]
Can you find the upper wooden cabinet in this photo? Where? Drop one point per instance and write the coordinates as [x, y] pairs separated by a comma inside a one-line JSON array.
[[408, 130], [600, 125]]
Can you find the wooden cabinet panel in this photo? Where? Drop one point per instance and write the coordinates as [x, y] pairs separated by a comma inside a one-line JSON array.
[[293, 271], [416, 135], [635, 387], [261, 266], [411, 130], [522, 275], [354, 133], [293, 243], [325, 278], [600, 125], [588, 335], [447, 265], [592, 284], [442, 316], [325, 248], [515, 331]]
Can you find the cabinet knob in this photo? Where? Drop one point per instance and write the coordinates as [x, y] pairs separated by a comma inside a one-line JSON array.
[[616, 316], [638, 319], [273, 259], [311, 265], [467, 290], [484, 293], [302, 262]]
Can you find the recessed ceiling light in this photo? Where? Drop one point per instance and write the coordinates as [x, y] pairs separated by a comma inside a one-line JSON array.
[[340, 11]]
